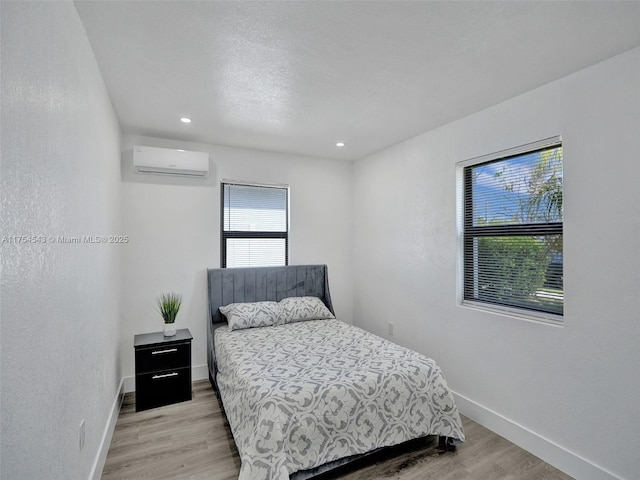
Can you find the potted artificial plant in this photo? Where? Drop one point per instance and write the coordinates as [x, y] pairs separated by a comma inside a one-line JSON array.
[[168, 306]]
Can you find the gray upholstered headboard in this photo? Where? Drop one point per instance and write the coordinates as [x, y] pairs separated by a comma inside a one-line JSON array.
[[258, 284]]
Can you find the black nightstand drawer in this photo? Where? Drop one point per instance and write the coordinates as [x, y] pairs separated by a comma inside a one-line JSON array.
[[163, 388], [163, 368], [163, 357]]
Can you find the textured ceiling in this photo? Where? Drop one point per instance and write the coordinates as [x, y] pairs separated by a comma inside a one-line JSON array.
[[298, 76]]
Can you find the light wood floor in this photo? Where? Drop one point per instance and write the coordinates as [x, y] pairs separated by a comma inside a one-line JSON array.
[[192, 440]]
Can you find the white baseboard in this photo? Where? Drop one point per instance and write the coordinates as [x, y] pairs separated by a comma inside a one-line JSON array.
[[549, 451], [198, 372], [105, 441]]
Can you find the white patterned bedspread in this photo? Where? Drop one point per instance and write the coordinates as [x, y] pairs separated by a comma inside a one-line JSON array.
[[304, 394]]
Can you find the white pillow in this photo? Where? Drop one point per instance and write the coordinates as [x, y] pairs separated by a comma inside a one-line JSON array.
[[298, 309], [251, 315]]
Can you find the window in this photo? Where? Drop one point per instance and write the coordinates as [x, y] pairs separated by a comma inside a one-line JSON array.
[[511, 222], [255, 225]]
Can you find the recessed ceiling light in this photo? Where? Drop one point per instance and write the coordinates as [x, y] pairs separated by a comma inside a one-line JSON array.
[[340, 144], [185, 120]]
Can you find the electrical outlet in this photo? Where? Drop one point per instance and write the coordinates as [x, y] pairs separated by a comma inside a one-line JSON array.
[[390, 329], [81, 435]]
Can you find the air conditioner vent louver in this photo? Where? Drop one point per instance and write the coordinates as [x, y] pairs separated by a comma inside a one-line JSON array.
[[167, 161]]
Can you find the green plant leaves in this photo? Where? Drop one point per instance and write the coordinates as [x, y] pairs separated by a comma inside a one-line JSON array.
[[169, 305]]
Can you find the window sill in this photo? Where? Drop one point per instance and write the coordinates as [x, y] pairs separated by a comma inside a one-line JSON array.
[[528, 316]]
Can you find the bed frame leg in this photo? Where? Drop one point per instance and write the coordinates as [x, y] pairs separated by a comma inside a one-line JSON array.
[[446, 443]]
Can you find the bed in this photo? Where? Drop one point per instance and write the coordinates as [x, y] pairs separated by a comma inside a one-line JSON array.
[[304, 394]]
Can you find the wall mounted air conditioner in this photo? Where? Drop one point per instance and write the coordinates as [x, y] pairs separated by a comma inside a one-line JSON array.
[[168, 161]]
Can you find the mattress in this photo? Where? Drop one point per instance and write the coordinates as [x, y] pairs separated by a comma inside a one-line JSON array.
[[304, 394]]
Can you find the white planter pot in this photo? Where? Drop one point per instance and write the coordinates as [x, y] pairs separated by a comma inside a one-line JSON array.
[[169, 329]]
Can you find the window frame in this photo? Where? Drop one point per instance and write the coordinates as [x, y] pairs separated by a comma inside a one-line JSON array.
[[224, 235], [467, 233]]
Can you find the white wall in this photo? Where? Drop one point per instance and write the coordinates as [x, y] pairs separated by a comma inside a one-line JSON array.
[[174, 233], [568, 394], [60, 308]]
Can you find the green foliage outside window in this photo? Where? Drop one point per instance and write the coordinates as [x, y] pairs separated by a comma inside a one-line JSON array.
[[518, 267]]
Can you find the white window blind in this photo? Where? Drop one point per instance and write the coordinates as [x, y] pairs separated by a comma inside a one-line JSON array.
[[253, 252], [513, 230], [255, 224]]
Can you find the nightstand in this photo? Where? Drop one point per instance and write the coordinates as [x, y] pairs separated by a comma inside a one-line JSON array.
[[163, 369]]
